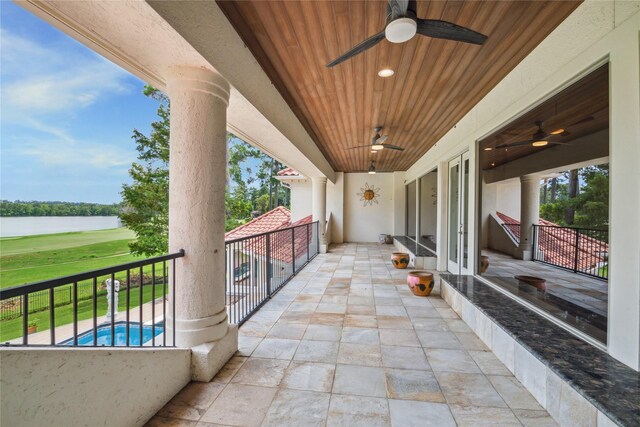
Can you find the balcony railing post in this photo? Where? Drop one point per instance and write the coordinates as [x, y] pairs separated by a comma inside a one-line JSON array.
[[268, 260], [308, 241], [293, 251], [575, 261]]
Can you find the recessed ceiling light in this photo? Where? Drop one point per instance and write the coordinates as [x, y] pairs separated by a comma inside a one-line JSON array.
[[493, 164], [488, 148], [386, 72], [539, 143]]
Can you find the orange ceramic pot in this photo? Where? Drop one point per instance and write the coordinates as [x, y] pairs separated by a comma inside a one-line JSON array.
[[537, 282], [400, 259], [420, 283], [484, 263]]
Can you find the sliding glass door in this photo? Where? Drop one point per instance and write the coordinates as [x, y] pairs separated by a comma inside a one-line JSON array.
[[458, 207]]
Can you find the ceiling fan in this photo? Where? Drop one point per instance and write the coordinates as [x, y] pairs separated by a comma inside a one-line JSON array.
[[402, 24], [377, 142], [540, 137]]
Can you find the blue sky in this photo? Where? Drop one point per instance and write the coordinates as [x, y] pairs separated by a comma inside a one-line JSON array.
[[67, 115]]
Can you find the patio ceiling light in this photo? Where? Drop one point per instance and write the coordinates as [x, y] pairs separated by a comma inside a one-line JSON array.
[[401, 30], [377, 147], [372, 168], [557, 131], [488, 148], [539, 143], [386, 72]]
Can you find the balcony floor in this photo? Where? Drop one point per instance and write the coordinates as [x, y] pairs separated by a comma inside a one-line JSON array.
[[346, 343]]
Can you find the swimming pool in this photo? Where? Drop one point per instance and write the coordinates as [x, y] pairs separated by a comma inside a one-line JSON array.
[[120, 331]]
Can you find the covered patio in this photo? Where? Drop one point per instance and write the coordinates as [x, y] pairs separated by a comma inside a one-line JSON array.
[[346, 343]]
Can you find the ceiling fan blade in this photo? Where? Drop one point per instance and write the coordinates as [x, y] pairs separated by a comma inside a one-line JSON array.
[[359, 48], [382, 139], [447, 30], [398, 7], [359, 146], [515, 144], [579, 122], [393, 147]]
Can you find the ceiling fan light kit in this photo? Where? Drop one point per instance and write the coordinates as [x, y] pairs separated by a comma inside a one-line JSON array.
[[539, 143], [401, 30]]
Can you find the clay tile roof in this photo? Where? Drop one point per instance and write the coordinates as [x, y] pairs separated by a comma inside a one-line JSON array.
[[288, 172], [558, 244], [279, 217]]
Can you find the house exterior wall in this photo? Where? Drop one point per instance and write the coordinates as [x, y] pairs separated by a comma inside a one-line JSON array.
[[300, 198], [366, 223], [428, 204], [595, 33], [335, 208]]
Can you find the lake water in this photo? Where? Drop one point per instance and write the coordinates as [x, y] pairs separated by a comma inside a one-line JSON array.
[[29, 225]]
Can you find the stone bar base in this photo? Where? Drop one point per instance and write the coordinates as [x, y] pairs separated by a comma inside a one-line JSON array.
[[208, 358]]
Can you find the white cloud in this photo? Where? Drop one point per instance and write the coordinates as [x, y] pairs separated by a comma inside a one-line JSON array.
[[37, 80]]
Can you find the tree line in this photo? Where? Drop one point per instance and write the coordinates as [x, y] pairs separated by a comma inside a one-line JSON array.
[[251, 187], [577, 198], [35, 208]]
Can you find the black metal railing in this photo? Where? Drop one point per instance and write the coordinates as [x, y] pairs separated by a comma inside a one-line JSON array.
[[258, 266], [83, 309], [513, 229], [581, 250]]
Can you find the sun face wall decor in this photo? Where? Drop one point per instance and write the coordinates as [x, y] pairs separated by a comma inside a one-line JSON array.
[[369, 194]]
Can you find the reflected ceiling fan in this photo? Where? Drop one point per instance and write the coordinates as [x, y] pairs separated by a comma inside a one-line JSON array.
[[540, 137], [402, 24], [378, 142]]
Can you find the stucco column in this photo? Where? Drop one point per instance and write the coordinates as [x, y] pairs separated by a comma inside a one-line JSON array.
[[197, 177], [319, 208], [529, 213]]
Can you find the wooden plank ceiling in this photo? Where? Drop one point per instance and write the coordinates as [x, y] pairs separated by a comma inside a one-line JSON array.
[[436, 82], [580, 109]]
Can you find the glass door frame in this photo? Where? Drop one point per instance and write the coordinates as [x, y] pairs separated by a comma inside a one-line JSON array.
[[458, 220]]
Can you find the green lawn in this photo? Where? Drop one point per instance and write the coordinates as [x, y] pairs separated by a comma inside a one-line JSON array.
[[34, 258], [10, 329]]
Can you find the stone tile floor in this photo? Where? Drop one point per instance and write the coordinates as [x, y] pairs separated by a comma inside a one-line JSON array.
[[585, 291], [345, 343]]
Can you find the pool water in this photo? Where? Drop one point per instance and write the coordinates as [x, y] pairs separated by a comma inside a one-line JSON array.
[[120, 332]]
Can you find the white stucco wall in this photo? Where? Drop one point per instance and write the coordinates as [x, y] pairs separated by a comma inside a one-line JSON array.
[[597, 31], [300, 198], [335, 207], [366, 223], [88, 387], [508, 198]]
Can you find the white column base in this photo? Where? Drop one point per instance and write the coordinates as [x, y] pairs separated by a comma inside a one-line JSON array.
[[191, 332], [323, 248], [208, 358], [524, 254]]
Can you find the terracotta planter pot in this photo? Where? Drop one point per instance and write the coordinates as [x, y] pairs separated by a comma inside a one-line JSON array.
[[32, 329], [537, 282], [484, 263], [400, 259], [420, 283]]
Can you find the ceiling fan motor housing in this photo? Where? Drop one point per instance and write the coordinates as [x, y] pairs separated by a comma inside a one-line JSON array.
[[401, 30]]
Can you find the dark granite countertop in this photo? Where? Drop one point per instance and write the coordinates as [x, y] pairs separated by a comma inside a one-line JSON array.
[[415, 248], [608, 384]]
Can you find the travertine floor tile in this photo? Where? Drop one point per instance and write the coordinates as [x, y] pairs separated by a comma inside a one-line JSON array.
[[399, 337], [513, 393], [276, 348], [323, 333], [317, 351], [413, 385], [263, 372], [446, 360], [468, 390], [407, 413], [360, 335], [359, 380], [359, 354], [192, 401], [404, 357], [473, 416], [358, 411], [240, 405], [309, 376], [297, 408]]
